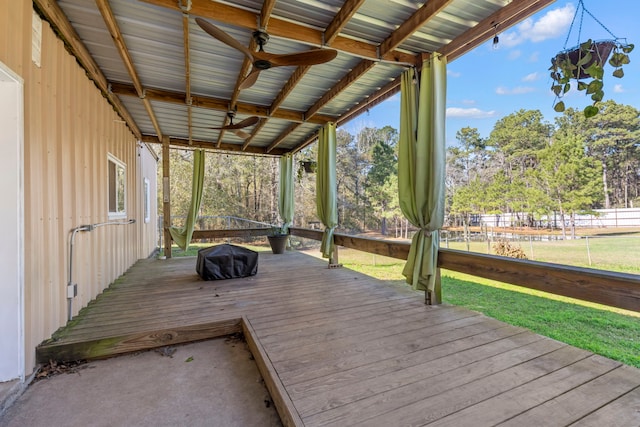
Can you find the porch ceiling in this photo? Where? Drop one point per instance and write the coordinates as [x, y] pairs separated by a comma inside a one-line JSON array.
[[168, 78]]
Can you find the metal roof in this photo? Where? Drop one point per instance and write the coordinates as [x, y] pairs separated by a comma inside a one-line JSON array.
[[169, 78]]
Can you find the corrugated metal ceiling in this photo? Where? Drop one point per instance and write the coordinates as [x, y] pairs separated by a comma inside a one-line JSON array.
[[154, 35]]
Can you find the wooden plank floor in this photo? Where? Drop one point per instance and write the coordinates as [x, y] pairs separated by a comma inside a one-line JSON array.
[[348, 350]]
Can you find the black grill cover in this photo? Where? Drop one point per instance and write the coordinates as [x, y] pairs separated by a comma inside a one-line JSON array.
[[226, 262]]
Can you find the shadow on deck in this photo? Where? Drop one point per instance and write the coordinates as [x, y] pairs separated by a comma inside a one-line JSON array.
[[340, 348]]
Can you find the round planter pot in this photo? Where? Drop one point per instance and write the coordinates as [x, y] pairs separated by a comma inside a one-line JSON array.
[[600, 52], [278, 243]]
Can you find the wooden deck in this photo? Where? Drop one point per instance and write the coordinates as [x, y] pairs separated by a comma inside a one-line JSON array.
[[338, 348]]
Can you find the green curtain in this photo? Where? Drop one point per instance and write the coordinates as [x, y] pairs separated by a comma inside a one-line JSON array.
[[285, 200], [326, 194], [421, 166], [182, 236]]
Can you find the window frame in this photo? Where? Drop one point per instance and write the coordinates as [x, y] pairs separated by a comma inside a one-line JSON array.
[[114, 186], [146, 190]]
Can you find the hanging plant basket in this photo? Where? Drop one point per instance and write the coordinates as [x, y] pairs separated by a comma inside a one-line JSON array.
[[585, 64], [309, 166], [596, 54]]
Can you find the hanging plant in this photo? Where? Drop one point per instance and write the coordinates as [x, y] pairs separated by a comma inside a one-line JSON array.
[[309, 166], [585, 64]]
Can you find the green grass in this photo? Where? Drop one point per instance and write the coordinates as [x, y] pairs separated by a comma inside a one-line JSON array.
[[614, 253], [603, 330], [609, 334]]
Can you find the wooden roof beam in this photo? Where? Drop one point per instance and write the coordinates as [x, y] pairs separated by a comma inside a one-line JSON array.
[[505, 17], [427, 12], [54, 15], [116, 35], [282, 136], [353, 75], [421, 16], [187, 71], [333, 29], [231, 15], [208, 145], [219, 104], [265, 15], [346, 12], [256, 129]]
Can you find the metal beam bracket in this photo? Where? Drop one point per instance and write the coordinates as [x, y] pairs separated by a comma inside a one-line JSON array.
[[185, 6]]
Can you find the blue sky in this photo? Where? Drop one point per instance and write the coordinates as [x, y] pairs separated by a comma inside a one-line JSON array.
[[487, 84]]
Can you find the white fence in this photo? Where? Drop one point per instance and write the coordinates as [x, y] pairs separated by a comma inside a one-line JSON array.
[[604, 218]]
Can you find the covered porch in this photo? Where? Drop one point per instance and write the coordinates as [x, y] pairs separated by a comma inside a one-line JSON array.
[[336, 347]]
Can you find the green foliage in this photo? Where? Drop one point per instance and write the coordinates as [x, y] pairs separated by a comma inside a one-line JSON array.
[[526, 166], [586, 62]]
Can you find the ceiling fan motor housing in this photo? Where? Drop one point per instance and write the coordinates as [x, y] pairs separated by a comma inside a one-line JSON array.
[[261, 37]]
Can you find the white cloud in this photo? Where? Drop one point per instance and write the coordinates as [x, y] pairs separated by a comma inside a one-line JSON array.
[[531, 77], [618, 88], [554, 23], [518, 90], [453, 73], [534, 57], [469, 101], [470, 113], [514, 54]]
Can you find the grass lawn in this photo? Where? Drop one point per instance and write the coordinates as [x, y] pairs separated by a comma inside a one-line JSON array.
[[614, 253]]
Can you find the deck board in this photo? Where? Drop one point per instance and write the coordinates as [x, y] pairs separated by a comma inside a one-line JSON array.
[[340, 348]]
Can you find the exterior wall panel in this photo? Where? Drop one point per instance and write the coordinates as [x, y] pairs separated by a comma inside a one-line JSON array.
[[69, 129]]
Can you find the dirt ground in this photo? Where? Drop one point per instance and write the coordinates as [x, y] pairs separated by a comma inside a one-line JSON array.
[[210, 383]]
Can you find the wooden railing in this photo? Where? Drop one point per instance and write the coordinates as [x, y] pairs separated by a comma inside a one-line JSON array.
[[620, 290], [603, 287]]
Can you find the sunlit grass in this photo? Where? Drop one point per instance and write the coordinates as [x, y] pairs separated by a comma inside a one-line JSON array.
[[614, 253]]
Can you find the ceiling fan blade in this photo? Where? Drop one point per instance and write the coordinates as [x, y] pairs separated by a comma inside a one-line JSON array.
[[309, 57], [250, 121], [250, 79], [241, 134], [225, 38]]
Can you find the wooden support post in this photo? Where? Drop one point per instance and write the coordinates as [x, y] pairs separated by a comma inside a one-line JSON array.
[[434, 297], [333, 261], [166, 197]]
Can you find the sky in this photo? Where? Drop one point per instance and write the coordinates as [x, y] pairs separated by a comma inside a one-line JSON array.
[[489, 83]]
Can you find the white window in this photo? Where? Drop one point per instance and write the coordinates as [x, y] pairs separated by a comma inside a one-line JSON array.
[[147, 200], [117, 188]]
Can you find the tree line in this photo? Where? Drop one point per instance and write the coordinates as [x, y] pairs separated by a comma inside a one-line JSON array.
[[526, 166]]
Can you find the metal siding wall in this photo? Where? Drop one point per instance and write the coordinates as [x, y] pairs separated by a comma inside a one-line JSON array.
[[69, 129], [149, 231]]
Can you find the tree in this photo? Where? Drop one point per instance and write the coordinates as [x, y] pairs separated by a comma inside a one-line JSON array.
[[568, 177], [384, 166], [612, 138], [517, 138]]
